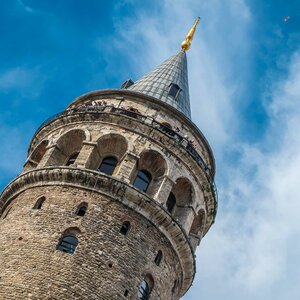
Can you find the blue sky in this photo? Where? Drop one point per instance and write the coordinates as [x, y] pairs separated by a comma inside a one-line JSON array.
[[244, 74]]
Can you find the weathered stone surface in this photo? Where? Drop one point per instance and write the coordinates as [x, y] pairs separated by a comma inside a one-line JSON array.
[[141, 134]]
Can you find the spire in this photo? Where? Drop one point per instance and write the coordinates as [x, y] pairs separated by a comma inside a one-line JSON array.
[[186, 45], [169, 81]]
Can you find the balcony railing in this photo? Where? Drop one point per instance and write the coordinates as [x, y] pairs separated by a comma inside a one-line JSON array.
[[179, 139]]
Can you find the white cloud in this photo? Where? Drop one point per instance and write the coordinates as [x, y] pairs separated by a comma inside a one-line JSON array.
[[252, 251], [221, 40], [27, 81], [256, 248], [26, 7]]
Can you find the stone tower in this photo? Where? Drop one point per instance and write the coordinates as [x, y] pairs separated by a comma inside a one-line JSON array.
[[115, 195]]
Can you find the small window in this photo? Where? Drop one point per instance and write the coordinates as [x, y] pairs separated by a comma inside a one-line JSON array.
[[167, 128], [142, 180], [125, 228], [171, 202], [108, 165], [39, 203], [72, 159], [158, 258], [81, 210], [68, 244], [126, 292], [145, 288], [174, 90]]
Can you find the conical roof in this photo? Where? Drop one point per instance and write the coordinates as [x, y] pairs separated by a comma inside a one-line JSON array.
[[168, 83]]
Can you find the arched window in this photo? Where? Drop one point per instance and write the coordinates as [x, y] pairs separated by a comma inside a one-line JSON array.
[[72, 159], [81, 210], [125, 228], [145, 288], [158, 258], [108, 165], [171, 202], [68, 244], [39, 203], [142, 180]]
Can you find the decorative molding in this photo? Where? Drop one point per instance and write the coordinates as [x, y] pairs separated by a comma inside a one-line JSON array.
[[116, 190]]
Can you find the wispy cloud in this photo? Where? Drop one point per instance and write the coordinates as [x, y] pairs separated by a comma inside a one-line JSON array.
[[254, 242], [27, 81], [146, 41], [251, 249], [26, 7]]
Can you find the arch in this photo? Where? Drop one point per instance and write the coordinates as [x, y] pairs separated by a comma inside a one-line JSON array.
[[39, 202], [158, 257], [69, 144], [69, 240], [108, 165], [198, 223], [125, 228], [109, 145], [36, 155], [171, 202], [81, 209], [145, 288], [183, 192], [155, 164]]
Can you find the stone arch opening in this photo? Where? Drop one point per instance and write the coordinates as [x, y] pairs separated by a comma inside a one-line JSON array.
[[81, 209], [183, 192], [198, 223], [36, 155], [152, 162], [69, 144], [39, 202], [110, 146], [145, 288], [69, 240]]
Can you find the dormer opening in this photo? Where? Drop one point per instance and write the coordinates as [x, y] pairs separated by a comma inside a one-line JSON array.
[[127, 84], [174, 90]]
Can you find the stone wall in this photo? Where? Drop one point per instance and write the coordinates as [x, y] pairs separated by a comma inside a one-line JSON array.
[[105, 263]]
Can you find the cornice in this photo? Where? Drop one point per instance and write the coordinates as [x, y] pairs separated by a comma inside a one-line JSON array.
[[116, 190]]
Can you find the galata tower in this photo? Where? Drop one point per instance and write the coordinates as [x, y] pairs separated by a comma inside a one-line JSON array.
[[116, 194]]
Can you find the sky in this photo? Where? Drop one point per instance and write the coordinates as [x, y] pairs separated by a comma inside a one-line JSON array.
[[244, 77]]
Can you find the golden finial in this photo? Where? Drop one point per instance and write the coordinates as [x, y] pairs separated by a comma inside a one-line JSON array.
[[186, 44]]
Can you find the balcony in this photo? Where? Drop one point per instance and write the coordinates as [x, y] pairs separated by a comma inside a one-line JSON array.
[[149, 121]]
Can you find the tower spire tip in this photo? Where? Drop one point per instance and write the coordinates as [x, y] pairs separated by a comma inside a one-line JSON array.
[[186, 44]]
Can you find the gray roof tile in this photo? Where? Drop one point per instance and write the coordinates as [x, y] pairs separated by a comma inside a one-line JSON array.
[[157, 82]]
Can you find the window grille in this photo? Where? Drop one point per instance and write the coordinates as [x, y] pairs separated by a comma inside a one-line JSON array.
[[68, 244]]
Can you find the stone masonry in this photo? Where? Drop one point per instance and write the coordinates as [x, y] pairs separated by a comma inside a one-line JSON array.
[[141, 133]]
